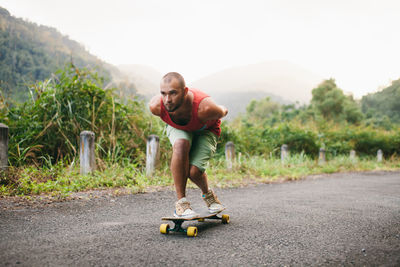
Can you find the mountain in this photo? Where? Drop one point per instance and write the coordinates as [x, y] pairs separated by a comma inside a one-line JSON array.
[[146, 79], [234, 88], [283, 81], [236, 102], [31, 53], [385, 103]]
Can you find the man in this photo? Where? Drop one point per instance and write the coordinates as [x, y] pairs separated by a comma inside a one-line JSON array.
[[193, 125]]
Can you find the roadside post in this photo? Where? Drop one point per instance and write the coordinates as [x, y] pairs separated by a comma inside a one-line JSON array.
[[3, 147], [284, 153], [86, 152], [352, 155], [229, 155], [379, 155], [321, 158], [152, 154]]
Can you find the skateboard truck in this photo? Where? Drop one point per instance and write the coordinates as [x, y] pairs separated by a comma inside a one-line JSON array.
[[191, 230]]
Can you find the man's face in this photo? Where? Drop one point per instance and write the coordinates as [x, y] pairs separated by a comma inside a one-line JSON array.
[[172, 95]]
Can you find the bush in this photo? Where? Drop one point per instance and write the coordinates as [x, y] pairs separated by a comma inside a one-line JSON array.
[[47, 128], [369, 141], [299, 140], [337, 139], [259, 139]]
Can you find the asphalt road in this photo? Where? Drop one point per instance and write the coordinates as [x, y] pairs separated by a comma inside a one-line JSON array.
[[340, 219]]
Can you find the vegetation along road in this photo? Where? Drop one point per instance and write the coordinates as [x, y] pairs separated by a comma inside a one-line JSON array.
[[351, 219]]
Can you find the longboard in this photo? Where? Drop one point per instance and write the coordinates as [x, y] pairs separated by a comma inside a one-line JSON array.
[[191, 230]]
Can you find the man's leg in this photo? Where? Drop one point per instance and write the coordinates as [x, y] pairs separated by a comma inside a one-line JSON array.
[[204, 145], [211, 199], [180, 166], [199, 178], [181, 142]]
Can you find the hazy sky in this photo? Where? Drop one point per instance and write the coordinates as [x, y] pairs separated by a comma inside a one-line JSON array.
[[357, 42]]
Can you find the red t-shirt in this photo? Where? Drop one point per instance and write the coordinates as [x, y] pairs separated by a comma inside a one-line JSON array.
[[194, 124]]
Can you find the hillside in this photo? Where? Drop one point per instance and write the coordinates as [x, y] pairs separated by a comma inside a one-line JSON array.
[[236, 102], [283, 81], [31, 52], [385, 103]]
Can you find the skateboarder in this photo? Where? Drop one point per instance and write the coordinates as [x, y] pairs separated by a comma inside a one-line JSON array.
[[193, 126]]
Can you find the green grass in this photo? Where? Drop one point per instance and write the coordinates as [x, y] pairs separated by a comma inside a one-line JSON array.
[[60, 181], [267, 169]]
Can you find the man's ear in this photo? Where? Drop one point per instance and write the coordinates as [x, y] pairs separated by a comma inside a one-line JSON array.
[[186, 90]]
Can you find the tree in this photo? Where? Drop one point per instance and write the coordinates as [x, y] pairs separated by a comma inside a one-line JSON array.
[[262, 109], [332, 104], [328, 99], [385, 103], [352, 111]]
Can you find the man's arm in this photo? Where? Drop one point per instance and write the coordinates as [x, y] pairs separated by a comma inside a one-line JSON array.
[[154, 105], [208, 110]]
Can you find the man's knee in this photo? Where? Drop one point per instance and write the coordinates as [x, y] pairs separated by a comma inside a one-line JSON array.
[[181, 147], [194, 171]]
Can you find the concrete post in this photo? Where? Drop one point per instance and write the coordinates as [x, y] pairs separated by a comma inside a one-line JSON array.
[[321, 158], [229, 155], [379, 155], [3, 147], [352, 154], [87, 156], [152, 153], [284, 152]]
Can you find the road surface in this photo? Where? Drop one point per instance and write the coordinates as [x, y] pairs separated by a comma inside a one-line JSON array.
[[339, 219]]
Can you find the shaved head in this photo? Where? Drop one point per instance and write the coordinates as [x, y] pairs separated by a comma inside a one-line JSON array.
[[170, 76]]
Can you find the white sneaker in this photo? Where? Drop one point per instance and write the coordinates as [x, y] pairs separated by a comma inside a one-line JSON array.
[[212, 202], [183, 209]]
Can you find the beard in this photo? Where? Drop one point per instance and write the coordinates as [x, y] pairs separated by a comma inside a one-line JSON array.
[[172, 108]]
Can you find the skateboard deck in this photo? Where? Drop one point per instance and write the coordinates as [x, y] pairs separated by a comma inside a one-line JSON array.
[[192, 230]]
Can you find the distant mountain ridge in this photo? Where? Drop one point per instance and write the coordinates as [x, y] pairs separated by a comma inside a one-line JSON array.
[[282, 78], [235, 87], [236, 102], [30, 52], [282, 81]]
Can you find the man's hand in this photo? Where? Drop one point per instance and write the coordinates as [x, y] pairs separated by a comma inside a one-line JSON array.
[[224, 110]]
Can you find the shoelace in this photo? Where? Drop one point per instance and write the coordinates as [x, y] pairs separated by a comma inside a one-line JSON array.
[[185, 205], [210, 199]]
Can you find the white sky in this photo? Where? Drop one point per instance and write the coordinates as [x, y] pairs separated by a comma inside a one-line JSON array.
[[357, 42]]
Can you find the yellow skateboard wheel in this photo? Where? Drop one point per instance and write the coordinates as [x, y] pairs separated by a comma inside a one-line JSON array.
[[201, 220], [192, 231], [225, 218], [164, 228]]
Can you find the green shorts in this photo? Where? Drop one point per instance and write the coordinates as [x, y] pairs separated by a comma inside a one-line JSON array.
[[202, 145]]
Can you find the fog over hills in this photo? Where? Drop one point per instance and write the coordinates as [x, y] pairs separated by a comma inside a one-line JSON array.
[[145, 78], [283, 81], [42, 50], [235, 87], [282, 78]]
